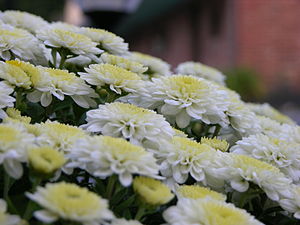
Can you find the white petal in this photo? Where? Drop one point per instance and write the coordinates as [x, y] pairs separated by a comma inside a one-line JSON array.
[[125, 179], [46, 99], [45, 216], [13, 168], [183, 119]]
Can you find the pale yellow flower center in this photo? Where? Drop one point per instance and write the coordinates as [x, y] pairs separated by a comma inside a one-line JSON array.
[[152, 191]]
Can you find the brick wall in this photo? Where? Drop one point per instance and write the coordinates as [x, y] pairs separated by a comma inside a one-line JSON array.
[[268, 39]]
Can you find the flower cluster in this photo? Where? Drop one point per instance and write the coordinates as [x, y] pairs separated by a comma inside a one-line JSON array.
[[94, 134]]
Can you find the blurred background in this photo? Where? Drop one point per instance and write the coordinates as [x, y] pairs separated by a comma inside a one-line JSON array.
[[256, 43]]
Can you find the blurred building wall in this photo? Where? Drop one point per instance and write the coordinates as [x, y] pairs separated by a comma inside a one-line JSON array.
[[260, 34]]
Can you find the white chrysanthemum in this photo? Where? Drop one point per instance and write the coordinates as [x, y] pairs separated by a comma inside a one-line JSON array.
[[183, 98], [245, 169], [267, 110], [183, 157], [104, 156], [292, 204], [77, 43], [14, 75], [156, 66], [48, 82], [7, 219], [128, 121], [14, 142], [70, 202], [106, 40], [240, 116], [124, 63], [282, 154], [117, 78], [23, 20], [57, 135], [5, 99], [275, 129], [125, 222], [201, 70], [19, 43], [207, 212]]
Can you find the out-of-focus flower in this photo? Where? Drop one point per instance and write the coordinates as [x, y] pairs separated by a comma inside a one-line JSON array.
[[70, 202], [156, 66], [200, 70], [207, 212], [106, 40], [23, 20], [151, 191], [195, 192], [267, 110], [45, 160], [19, 43], [7, 219]]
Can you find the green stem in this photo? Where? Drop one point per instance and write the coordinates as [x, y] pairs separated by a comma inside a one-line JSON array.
[[62, 60], [19, 100], [110, 186], [28, 212], [140, 213], [7, 185], [53, 53], [217, 130]]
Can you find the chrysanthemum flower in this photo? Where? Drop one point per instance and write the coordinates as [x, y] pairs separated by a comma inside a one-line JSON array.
[[15, 114], [156, 66], [183, 157], [45, 160], [104, 156], [48, 82], [77, 43], [70, 202], [245, 169], [207, 212], [14, 141], [183, 98], [196, 191], [19, 43], [200, 70], [216, 143], [59, 136], [7, 219], [117, 78], [151, 191], [5, 99], [106, 40], [267, 110], [14, 75], [241, 118], [292, 204], [128, 121], [23, 20], [280, 153], [124, 63]]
